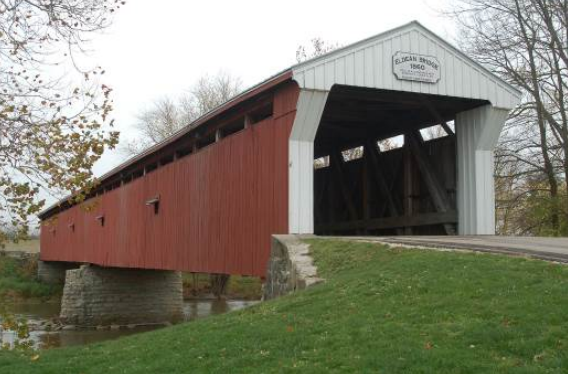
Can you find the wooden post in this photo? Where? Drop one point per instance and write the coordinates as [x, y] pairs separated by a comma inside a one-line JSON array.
[[318, 212], [365, 181], [435, 188], [337, 167], [380, 177], [408, 184], [248, 121], [332, 200]]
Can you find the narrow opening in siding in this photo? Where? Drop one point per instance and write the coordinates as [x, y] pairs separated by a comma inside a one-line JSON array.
[[206, 140], [126, 179], [71, 227], [151, 167], [321, 162], [183, 152], [433, 132], [137, 174], [353, 153], [101, 220], [391, 143], [233, 127], [166, 160], [261, 113]]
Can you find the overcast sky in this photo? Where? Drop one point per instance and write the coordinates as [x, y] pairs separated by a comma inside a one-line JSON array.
[[158, 48]]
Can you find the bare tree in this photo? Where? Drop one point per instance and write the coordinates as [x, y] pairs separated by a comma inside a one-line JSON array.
[[524, 41], [53, 115], [317, 48], [167, 115], [208, 93], [155, 124]]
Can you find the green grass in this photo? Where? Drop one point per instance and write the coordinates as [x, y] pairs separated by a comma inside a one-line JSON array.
[[18, 280], [380, 311]]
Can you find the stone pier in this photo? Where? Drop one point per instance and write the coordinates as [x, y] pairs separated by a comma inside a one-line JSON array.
[[53, 272], [96, 295]]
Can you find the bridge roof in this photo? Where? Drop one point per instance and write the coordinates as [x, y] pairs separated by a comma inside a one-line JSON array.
[[367, 63]]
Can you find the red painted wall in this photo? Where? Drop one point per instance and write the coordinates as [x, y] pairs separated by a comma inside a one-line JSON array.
[[218, 207]]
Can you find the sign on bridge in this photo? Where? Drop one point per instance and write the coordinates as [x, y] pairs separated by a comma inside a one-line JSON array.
[[415, 67]]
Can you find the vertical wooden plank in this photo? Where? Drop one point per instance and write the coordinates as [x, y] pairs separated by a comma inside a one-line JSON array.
[[408, 184], [218, 207]]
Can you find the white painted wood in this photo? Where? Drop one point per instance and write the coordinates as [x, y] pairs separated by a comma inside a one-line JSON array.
[[361, 64], [309, 110], [477, 132], [369, 64]]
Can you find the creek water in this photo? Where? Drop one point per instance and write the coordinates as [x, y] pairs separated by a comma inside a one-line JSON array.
[[36, 314]]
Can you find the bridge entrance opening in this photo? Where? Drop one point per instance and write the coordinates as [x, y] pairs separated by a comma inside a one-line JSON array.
[[385, 163]]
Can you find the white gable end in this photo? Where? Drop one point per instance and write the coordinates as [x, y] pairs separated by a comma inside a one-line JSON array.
[[369, 63]]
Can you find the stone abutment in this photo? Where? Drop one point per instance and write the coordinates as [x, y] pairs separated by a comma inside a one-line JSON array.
[[94, 296], [290, 267]]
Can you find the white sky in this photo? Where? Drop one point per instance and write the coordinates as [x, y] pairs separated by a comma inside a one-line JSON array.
[[158, 48]]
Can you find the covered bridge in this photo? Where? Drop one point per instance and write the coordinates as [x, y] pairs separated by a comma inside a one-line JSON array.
[[209, 198]]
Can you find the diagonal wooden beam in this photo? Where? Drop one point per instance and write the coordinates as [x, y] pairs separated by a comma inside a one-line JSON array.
[[435, 188], [437, 116], [408, 185], [374, 158], [337, 169]]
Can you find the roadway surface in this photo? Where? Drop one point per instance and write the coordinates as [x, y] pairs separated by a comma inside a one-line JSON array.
[[552, 249]]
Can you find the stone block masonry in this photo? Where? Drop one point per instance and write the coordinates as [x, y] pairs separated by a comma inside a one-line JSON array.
[[96, 295], [290, 267], [53, 272]]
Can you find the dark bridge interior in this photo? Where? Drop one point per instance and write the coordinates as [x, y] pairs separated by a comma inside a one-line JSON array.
[[386, 163]]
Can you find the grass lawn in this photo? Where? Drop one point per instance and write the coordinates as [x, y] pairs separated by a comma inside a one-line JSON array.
[[380, 311], [18, 281]]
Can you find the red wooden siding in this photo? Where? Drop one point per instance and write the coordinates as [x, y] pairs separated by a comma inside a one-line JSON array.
[[218, 207]]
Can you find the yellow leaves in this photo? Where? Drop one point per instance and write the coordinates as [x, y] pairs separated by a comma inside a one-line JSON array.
[[9, 109], [34, 358], [428, 345]]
